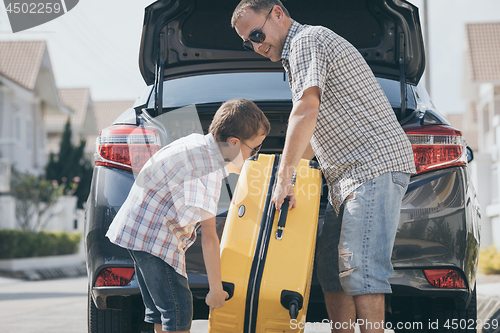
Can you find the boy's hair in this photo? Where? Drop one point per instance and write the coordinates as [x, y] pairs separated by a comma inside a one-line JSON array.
[[239, 118], [258, 6]]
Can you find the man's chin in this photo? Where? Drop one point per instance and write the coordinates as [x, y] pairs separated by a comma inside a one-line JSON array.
[[274, 58]]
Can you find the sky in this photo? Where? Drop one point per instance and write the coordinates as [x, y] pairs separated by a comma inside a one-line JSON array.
[[96, 45]]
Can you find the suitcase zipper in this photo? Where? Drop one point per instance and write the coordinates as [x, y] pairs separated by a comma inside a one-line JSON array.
[[258, 263]]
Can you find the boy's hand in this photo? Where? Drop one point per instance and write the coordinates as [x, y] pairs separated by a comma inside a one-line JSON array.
[[216, 299]]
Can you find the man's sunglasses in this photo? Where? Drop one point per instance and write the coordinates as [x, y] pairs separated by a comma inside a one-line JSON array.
[[256, 36]]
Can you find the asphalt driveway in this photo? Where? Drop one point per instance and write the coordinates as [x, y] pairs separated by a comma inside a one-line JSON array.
[[60, 306]]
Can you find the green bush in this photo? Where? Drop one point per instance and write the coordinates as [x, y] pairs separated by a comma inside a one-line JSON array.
[[489, 260], [23, 244]]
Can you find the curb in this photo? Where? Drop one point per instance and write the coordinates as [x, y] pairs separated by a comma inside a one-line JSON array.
[[43, 268]]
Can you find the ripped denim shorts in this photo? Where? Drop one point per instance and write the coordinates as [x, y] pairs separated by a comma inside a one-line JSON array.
[[354, 249]]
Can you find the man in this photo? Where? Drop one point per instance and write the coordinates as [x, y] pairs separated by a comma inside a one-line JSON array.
[[341, 115]]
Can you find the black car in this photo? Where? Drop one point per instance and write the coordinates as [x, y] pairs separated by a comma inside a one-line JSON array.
[[192, 61]]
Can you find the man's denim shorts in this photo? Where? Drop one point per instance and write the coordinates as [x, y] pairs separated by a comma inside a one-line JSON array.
[[354, 249], [166, 294]]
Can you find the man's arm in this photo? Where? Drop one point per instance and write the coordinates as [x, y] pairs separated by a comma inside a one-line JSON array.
[[308, 153], [300, 131], [216, 297]]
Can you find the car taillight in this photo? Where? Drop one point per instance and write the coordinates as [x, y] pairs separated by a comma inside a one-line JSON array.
[[126, 146], [114, 276], [444, 278], [436, 147]]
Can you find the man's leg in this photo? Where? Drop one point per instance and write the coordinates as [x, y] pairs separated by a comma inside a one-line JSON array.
[[371, 312], [341, 311], [340, 307], [368, 228]]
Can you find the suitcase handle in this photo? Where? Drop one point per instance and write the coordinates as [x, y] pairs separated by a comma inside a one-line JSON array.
[[292, 301], [282, 219], [229, 288]]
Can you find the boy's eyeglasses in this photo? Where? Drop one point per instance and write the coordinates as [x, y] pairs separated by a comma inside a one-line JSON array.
[[256, 36], [255, 150]]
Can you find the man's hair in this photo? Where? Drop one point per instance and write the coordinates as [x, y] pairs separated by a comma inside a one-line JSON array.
[[258, 6], [239, 118]]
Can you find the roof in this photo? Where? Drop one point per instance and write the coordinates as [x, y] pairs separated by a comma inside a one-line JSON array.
[[106, 112], [484, 50], [20, 61], [75, 99]]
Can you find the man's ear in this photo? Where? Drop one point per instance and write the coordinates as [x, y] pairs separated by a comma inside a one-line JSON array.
[[278, 11]]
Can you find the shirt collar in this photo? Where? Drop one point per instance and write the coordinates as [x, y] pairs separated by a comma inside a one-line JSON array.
[[215, 151], [295, 27]]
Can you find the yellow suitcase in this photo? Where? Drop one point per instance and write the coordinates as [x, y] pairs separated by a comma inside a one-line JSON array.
[[267, 256]]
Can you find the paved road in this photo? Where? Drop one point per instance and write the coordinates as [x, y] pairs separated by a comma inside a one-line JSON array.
[[53, 306], [60, 306]]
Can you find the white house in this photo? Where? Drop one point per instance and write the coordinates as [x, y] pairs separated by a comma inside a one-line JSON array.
[[83, 121], [28, 93], [481, 89]]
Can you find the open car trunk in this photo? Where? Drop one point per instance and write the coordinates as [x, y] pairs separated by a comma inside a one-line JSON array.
[[182, 38], [192, 37]]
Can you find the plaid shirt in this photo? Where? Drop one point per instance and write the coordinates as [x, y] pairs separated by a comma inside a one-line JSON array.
[[357, 136], [162, 211]]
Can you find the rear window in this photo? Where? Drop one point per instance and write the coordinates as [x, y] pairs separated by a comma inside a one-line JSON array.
[[216, 88]]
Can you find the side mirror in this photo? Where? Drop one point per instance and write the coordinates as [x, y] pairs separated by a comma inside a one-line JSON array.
[[470, 154]]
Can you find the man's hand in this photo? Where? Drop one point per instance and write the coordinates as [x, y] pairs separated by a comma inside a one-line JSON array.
[[216, 298], [282, 190]]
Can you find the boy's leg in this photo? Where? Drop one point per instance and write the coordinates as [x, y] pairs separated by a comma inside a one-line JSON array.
[[166, 294], [159, 329]]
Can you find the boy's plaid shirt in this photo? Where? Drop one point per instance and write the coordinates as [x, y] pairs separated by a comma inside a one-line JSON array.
[[357, 136], [162, 211]]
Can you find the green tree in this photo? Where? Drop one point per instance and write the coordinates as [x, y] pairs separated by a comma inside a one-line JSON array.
[[69, 167]]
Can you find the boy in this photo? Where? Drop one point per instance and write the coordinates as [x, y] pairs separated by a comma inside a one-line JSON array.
[[176, 191]]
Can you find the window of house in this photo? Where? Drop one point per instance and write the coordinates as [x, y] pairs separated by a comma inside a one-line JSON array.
[[29, 134], [17, 129]]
